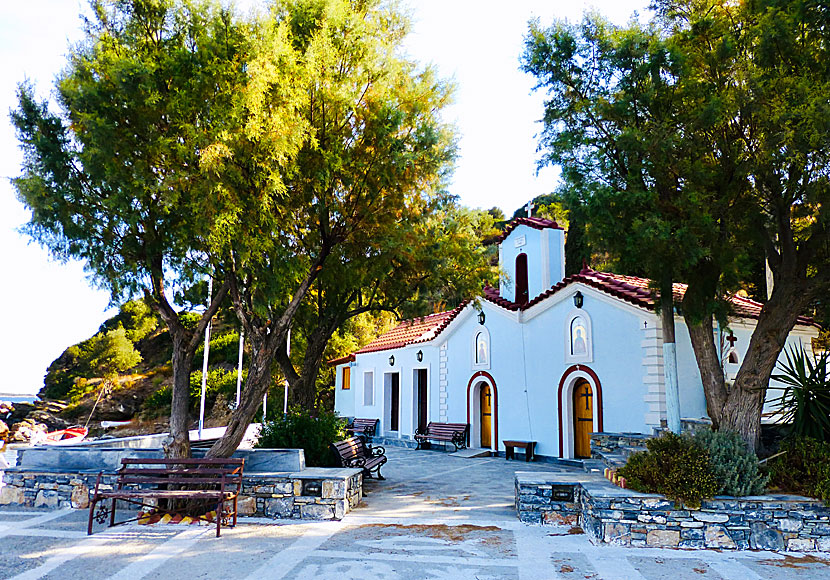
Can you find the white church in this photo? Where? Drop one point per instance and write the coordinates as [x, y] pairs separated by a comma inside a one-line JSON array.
[[548, 358]]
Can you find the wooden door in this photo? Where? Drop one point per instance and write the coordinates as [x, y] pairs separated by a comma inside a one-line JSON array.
[[486, 407], [421, 376], [583, 406]]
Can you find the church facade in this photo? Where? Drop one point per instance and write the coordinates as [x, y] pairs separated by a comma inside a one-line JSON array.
[[548, 358]]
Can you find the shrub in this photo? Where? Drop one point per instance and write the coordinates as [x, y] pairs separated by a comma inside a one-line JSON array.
[[802, 467], [674, 466], [299, 430], [733, 465], [223, 348], [805, 400]]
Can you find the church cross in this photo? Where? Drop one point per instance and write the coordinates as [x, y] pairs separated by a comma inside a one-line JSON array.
[[529, 207], [732, 339], [587, 396]]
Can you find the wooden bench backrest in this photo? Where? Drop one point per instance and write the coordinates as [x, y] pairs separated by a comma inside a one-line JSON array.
[[350, 448], [363, 423], [181, 470], [446, 428]]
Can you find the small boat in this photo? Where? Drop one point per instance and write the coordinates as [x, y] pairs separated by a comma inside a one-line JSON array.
[[68, 436]]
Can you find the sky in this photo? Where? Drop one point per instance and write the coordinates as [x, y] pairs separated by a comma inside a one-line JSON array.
[[48, 305]]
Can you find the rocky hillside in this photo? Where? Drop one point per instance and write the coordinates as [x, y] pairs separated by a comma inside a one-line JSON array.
[[125, 368]]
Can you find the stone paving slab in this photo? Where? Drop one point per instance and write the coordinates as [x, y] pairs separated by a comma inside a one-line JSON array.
[[435, 517]]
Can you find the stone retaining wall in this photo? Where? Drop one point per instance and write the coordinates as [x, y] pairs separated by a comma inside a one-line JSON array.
[[263, 495], [623, 517], [605, 443]]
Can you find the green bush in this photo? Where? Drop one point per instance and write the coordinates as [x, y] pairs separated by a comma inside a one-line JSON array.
[[299, 430], [674, 466], [733, 465], [218, 381], [802, 467]]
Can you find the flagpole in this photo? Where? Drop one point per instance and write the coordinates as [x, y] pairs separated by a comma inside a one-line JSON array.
[[285, 386], [239, 368], [205, 363]]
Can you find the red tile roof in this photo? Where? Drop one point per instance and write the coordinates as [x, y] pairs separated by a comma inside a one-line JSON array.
[[533, 222], [633, 290], [414, 331]]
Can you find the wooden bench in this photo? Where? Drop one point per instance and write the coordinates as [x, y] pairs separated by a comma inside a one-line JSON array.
[[354, 452], [168, 480], [455, 433], [528, 446], [367, 427]]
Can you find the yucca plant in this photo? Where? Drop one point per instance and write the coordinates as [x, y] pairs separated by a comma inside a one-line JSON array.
[[805, 400]]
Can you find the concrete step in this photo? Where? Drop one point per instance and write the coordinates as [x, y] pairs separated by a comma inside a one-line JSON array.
[[470, 453]]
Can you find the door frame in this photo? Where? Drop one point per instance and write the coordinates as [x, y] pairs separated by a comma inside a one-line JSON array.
[[474, 413], [565, 406], [387, 399], [414, 416]]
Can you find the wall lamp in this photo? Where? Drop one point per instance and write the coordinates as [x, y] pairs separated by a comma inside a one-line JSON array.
[[392, 360], [578, 298], [481, 317], [419, 355]]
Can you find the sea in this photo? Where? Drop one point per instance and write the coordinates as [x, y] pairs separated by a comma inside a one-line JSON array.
[[17, 398]]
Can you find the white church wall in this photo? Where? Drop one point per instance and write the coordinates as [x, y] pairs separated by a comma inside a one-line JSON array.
[[344, 398], [404, 365], [689, 384]]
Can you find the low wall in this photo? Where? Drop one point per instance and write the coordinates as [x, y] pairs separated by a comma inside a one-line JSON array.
[[315, 493], [623, 517]]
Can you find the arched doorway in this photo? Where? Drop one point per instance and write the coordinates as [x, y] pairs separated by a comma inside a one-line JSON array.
[[579, 385], [583, 418], [483, 411]]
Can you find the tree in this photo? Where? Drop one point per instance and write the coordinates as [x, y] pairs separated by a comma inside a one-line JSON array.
[[355, 202], [117, 179], [745, 149], [431, 259], [609, 122]]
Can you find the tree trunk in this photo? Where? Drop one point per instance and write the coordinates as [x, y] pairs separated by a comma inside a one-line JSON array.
[[670, 356], [742, 411], [302, 387], [257, 384], [708, 363], [178, 443], [739, 407]]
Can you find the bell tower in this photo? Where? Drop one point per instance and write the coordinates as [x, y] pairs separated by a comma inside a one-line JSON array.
[[532, 255]]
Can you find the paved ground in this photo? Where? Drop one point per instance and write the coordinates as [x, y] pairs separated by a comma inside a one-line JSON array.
[[454, 519]]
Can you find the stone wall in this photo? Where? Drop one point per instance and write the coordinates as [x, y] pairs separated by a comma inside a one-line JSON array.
[[335, 492], [623, 517], [539, 500], [612, 443]]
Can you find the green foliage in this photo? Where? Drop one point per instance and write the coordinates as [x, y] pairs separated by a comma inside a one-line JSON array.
[[300, 430], [735, 467], [803, 468], [223, 348], [219, 381], [137, 319], [674, 466], [805, 398]]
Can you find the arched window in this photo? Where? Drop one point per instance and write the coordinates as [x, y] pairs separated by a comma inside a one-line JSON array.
[[522, 296], [733, 357], [578, 339], [480, 348]]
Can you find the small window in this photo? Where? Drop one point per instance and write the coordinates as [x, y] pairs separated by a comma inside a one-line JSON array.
[[368, 389], [733, 357], [346, 383]]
